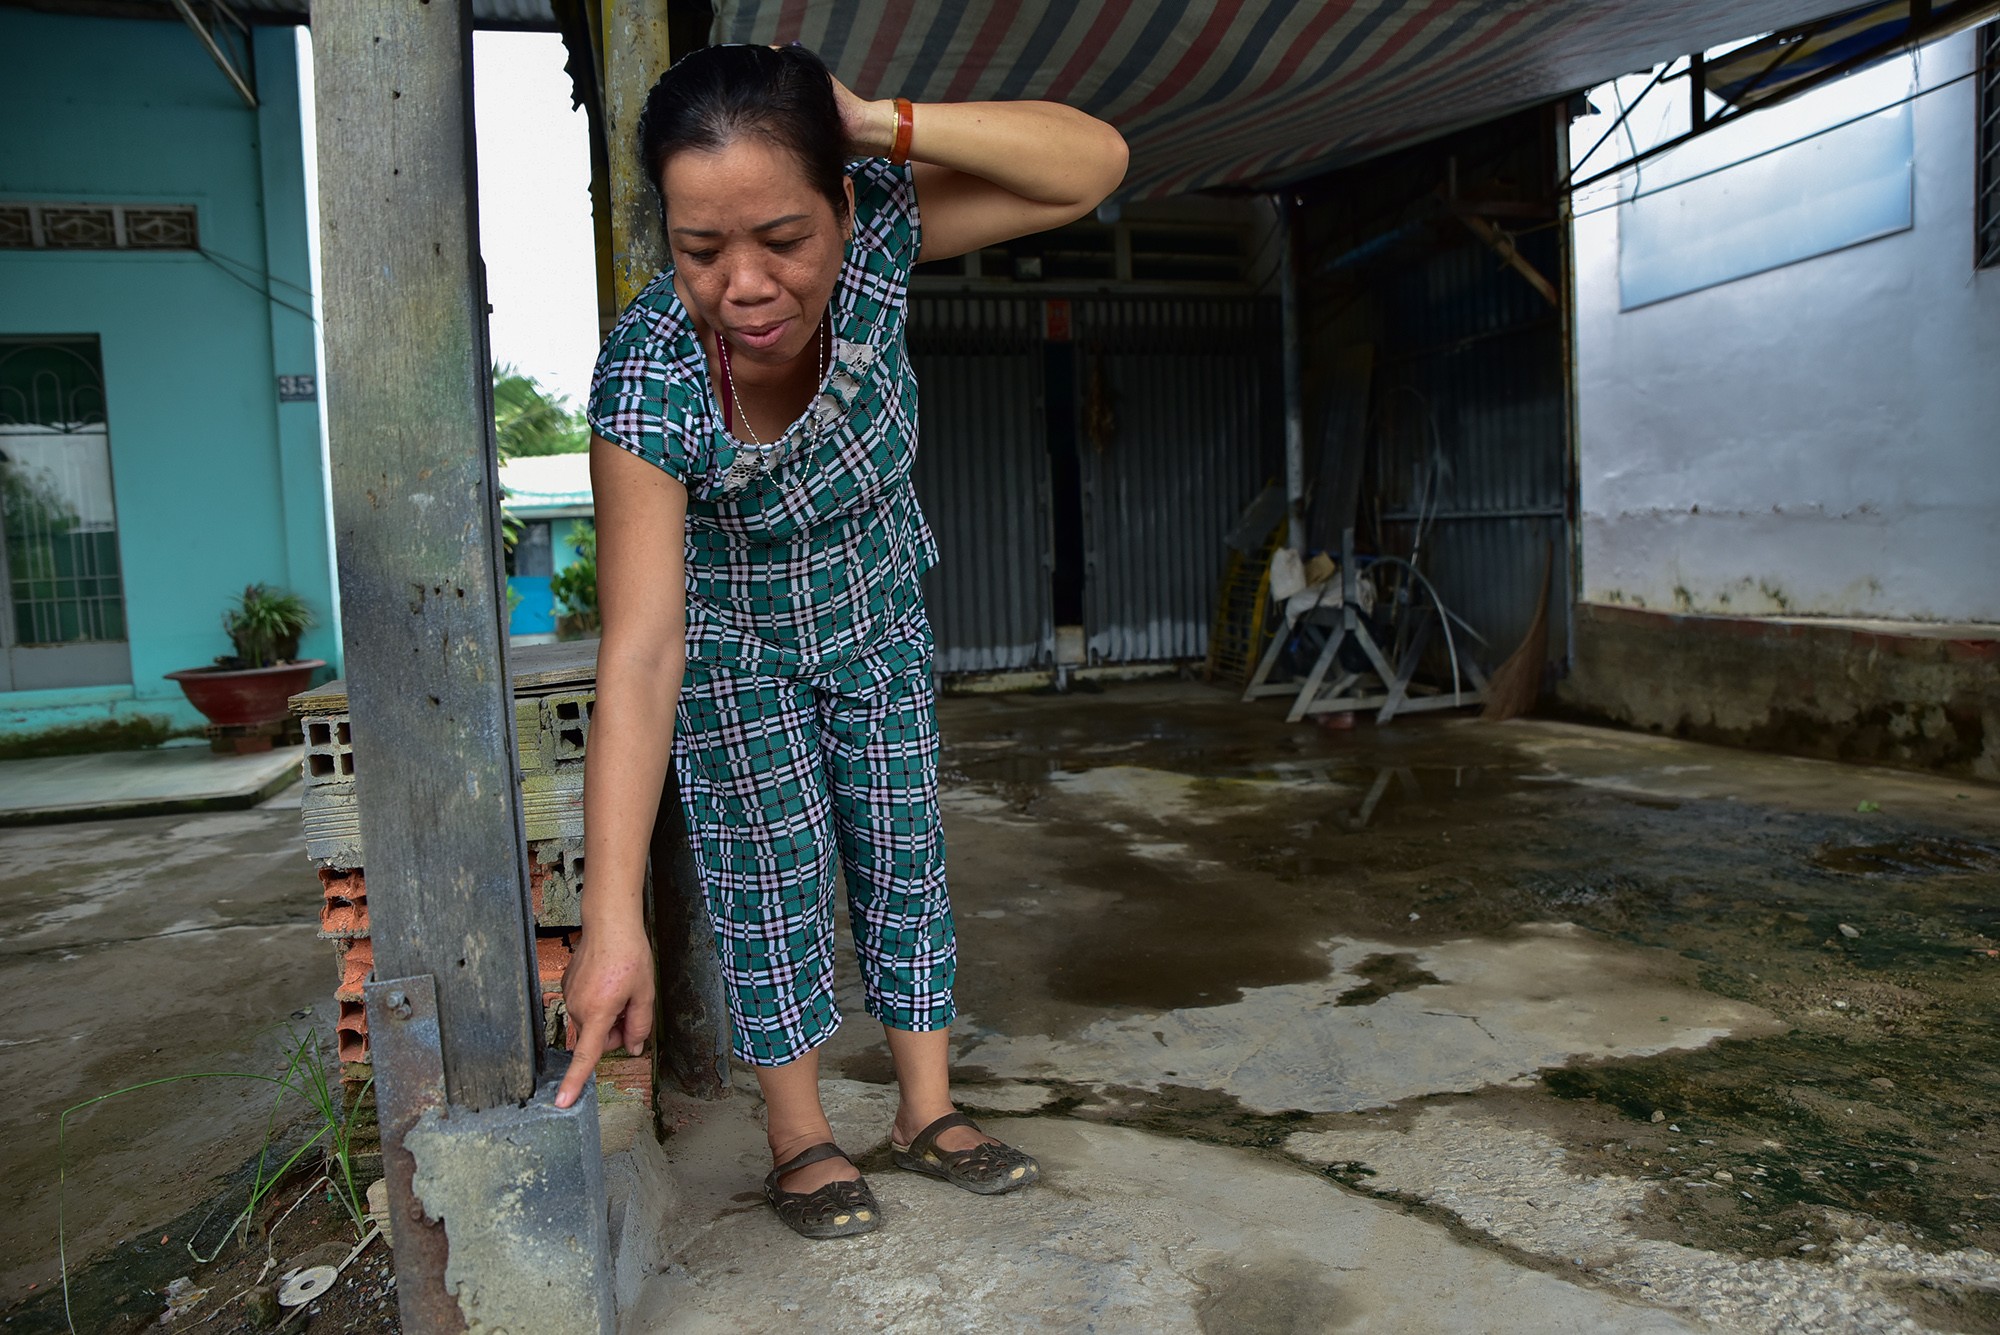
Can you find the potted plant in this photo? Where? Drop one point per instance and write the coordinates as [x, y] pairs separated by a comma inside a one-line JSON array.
[[253, 685]]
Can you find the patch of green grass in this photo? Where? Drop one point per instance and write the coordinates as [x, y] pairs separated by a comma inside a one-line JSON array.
[[126, 734], [333, 1126]]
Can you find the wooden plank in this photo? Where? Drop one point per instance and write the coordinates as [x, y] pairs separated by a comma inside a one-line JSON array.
[[416, 518]]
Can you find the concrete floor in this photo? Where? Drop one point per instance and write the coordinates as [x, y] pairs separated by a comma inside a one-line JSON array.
[[183, 775], [1442, 1027], [1446, 1027], [133, 950]]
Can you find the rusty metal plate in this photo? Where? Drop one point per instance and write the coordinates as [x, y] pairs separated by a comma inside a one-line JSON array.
[[409, 1081]]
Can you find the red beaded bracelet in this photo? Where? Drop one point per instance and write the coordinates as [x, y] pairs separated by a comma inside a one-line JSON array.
[[906, 123]]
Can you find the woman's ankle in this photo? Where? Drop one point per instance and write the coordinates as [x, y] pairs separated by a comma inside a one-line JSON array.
[[790, 1142], [911, 1120]]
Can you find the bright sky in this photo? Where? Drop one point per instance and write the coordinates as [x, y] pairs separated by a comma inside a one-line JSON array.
[[534, 210]]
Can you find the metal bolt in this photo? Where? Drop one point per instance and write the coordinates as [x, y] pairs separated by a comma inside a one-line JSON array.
[[399, 1005]]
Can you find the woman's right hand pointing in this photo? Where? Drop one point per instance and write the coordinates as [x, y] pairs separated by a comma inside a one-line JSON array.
[[608, 995]]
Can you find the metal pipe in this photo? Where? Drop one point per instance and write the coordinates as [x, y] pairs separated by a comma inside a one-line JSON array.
[[1292, 333]]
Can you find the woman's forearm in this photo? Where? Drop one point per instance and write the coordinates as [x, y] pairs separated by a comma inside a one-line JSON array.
[[1041, 151], [624, 772]]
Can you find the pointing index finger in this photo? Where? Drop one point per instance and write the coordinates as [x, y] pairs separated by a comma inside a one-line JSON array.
[[590, 1043]]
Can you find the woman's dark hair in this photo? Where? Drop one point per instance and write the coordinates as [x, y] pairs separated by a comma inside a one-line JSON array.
[[718, 94]]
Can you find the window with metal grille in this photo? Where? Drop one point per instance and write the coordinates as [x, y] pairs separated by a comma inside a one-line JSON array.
[[37, 226], [1987, 237], [62, 597]]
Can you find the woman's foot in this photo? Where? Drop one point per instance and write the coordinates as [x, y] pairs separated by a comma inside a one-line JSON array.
[[839, 1207], [811, 1176], [953, 1148], [908, 1126]]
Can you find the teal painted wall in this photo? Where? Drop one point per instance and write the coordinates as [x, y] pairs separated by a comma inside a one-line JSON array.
[[217, 484], [535, 614]]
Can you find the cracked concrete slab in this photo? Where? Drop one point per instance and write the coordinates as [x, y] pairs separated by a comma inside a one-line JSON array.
[[1517, 1186], [1500, 1011], [1130, 1232]]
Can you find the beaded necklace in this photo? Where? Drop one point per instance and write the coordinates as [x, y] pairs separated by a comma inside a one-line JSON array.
[[729, 420]]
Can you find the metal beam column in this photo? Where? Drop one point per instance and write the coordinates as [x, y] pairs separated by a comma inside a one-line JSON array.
[[1293, 334]]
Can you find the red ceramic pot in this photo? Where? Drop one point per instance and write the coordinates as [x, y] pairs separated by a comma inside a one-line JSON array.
[[239, 697]]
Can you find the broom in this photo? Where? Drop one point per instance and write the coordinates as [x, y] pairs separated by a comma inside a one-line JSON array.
[[1517, 683]]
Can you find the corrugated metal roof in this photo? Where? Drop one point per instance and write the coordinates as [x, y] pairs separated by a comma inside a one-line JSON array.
[[1253, 93]]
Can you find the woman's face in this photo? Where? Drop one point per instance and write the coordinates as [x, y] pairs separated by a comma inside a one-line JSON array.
[[757, 249]]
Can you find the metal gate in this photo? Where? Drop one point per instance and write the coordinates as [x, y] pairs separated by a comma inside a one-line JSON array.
[[1170, 429]]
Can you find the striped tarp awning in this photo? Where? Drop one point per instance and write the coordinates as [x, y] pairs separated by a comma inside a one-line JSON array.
[[1250, 94]]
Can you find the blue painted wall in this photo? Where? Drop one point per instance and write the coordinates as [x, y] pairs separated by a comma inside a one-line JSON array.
[[218, 485], [535, 613]]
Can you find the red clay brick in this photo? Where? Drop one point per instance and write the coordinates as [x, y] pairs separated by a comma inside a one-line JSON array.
[[551, 958], [357, 961], [632, 1075], [340, 921], [538, 880], [348, 886], [350, 1032]]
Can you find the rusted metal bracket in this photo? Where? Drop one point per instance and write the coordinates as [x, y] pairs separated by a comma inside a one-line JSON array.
[[409, 1082]]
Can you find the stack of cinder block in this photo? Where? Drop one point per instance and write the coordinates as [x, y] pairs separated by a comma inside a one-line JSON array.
[[554, 692]]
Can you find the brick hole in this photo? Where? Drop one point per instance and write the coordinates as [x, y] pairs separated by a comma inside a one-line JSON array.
[[346, 763], [320, 766], [345, 732], [319, 734]]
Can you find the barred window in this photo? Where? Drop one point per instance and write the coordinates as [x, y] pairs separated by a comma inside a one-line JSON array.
[[1986, 238], [53, 226]]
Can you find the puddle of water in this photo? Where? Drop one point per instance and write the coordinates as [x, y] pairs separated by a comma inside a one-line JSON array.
[[1917, 856], [1388, 973]]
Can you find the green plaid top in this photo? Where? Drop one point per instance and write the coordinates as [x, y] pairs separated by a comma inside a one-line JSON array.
[[802, 552]]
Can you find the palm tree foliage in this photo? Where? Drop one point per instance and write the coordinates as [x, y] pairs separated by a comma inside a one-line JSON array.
[[529, 420]]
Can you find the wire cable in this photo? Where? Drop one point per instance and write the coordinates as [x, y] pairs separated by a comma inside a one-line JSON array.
[[1775, 148], [223, 267]]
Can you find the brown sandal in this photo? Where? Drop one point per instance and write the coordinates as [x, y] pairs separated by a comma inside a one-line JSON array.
[[987, 1169], [835, 1210]]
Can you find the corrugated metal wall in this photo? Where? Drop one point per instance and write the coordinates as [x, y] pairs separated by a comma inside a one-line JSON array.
[[1169, 467], [1472, 416], [982, 474], [1172, 400], [1468, 406]]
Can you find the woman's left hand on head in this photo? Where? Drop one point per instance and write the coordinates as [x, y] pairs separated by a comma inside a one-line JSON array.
[[870, 127]]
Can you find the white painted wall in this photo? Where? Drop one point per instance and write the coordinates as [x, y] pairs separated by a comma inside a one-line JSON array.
[[1819, 439]]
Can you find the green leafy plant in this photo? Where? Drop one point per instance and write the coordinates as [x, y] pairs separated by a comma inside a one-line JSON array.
[[528, 420], [265, 625], [332, 1125], [575, 589]]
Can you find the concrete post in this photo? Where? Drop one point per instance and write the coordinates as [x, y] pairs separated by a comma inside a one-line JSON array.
[[456, 1012]]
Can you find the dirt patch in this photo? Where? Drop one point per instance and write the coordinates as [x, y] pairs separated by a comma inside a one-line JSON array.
[[301, 1225]]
